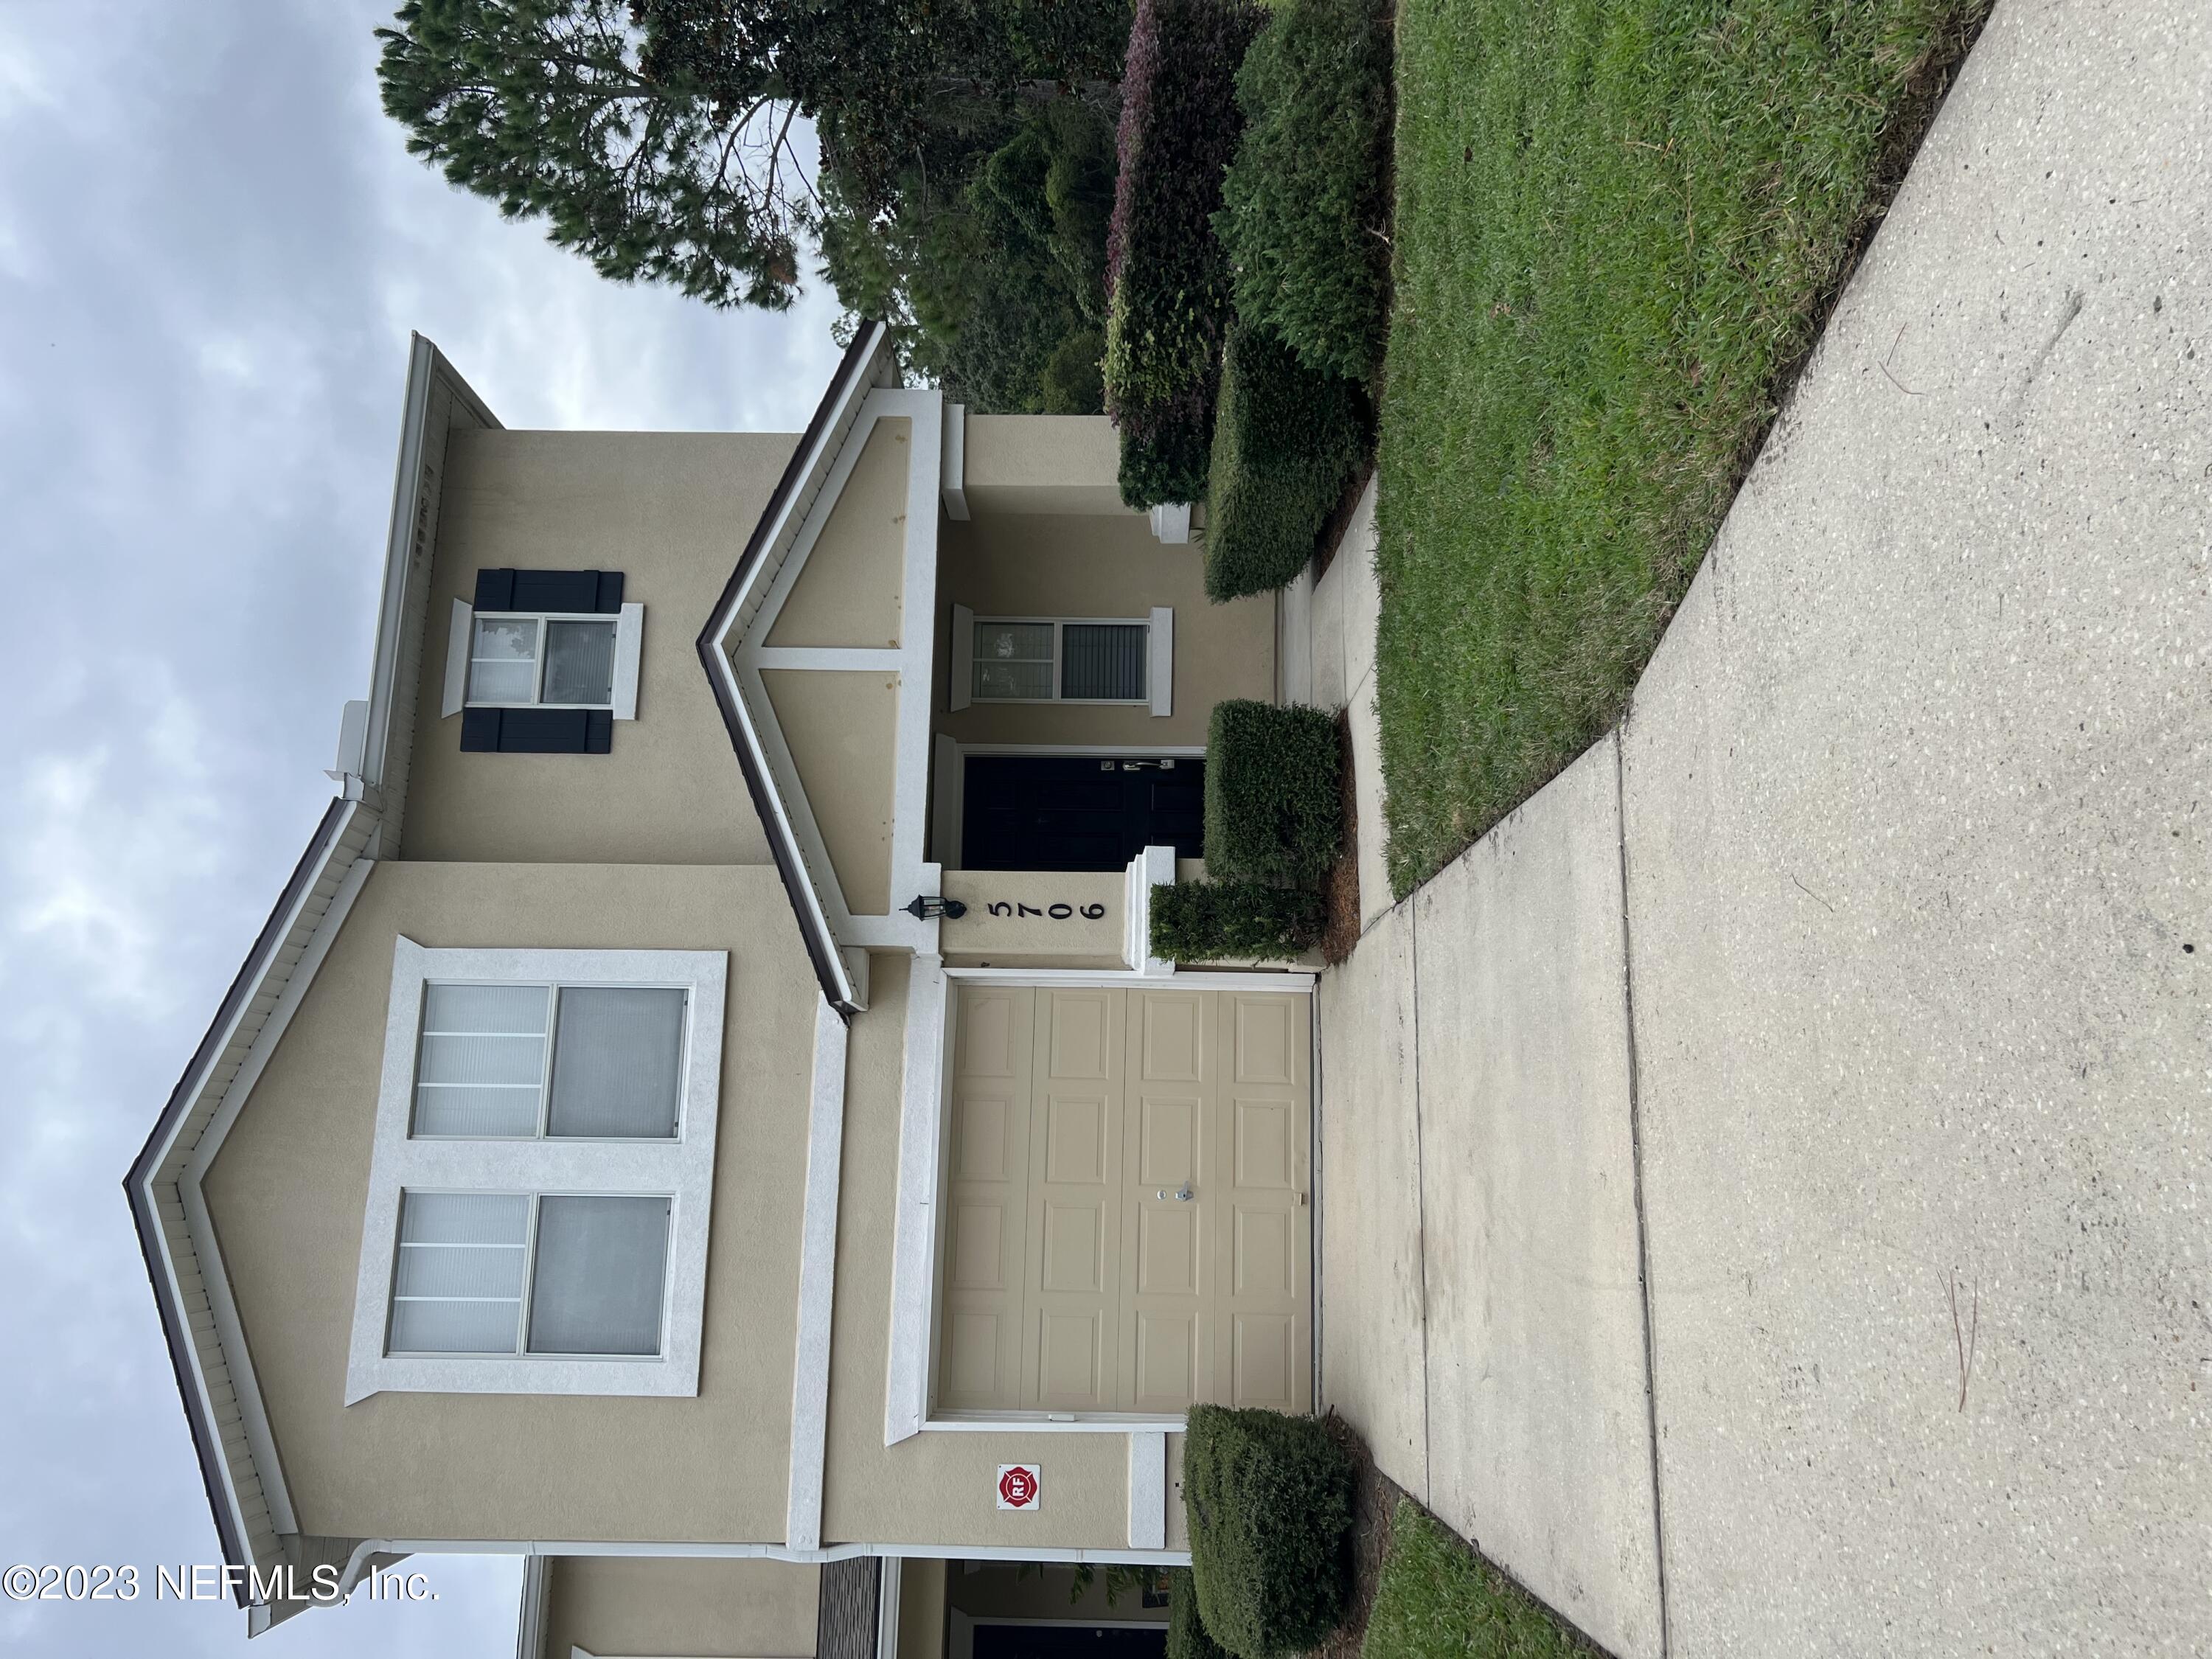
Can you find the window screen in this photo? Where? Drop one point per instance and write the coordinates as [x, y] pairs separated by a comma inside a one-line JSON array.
[[597, 1286], [522, 661], [615, 1062], [1049, 661], [615, 1071], [1013, 660], [457, 1287], [595, 1268]]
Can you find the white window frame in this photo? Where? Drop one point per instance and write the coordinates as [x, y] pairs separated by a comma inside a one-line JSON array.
[[1160, 660], [629, 637], [681, 1171]]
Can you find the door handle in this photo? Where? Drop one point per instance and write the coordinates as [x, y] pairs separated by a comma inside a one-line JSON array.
[[1182, 1195]]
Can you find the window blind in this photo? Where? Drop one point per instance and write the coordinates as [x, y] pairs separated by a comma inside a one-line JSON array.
[[1103, 661]]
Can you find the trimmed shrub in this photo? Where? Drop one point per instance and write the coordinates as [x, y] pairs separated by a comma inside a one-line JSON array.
[[1166, 275], [1071, 385], [1269, 1501], [1305, 208], [1286, 442], [1206, 920], [1273, 809], [1186, 1637]]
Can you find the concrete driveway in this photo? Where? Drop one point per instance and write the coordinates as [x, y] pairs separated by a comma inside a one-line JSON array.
[[1768, 1181]]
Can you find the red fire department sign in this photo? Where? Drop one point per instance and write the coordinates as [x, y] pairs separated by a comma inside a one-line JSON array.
[[1020, 1485]]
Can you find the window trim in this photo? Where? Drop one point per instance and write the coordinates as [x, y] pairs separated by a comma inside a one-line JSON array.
[[681, 1169], [629, 631], [1159, 690]]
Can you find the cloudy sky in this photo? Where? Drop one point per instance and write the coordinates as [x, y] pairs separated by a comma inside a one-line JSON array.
[[212, 248]]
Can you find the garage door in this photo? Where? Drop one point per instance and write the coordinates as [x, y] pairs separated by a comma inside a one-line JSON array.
[[1127, 1226]]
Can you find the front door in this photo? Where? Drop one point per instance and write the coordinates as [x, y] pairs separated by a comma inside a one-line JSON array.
[[1080, 811], [1126, 1221]]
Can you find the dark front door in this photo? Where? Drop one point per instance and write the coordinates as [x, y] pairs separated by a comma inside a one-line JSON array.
[[1080, 811], [1057, 1641]]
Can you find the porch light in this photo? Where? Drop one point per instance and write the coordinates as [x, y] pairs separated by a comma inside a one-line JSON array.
[[925, 909]]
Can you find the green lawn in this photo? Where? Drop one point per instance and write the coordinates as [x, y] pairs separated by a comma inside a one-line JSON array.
[[1438, 1599], [1618, 224]]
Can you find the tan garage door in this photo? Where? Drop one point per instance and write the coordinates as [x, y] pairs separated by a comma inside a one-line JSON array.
[[1127, 1226]]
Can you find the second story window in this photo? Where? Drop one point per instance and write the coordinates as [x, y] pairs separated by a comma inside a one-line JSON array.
[[551, 662], [542, 662]]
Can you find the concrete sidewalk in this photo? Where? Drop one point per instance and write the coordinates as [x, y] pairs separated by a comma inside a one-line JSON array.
[[1869, 967]]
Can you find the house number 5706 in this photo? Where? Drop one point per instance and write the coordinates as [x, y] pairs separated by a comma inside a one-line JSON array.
[[1056, 912]]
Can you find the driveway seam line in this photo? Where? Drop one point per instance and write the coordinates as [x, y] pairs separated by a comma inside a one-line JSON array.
[[1420, 1192], [1636, 1155]]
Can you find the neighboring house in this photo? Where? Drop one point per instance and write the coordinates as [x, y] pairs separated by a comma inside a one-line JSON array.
[[609, 1153]]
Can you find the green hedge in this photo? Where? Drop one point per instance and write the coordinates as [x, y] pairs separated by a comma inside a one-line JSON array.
[[1206, 920], [1166, 276], [1273, 809], [1305, 212], [1186, 1637], [1286, 442], [1269, 1501]]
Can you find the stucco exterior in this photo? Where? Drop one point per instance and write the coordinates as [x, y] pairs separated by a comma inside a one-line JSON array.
[[848, 592], [612, 1605], [287, 1195], [842, 727], [1044, 464], [670, 511], [1045, 565]]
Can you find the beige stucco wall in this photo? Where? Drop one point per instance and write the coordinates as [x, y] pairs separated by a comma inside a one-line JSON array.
[[670, 511], [921, 1608], [1025, 464], [1017, 940], [842, 730], [934, 1487], [700, 1609], [1044, 566], [847, 592], [286, 1196]]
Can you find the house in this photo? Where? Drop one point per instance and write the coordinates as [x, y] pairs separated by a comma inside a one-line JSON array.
[[702, 1113]]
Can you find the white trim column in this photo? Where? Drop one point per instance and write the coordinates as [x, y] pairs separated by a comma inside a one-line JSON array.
[[817, 1283]]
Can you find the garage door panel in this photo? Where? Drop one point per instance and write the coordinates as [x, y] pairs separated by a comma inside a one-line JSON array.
[[993, 1023], [981, 1127], [1070, 1355], [1167, 1140], [979, 1246], [1075, 1147], [1073, 1263], [1168, 1250], [1264, 1156], [1081, 1043], [1263, 1370], [1262, 1264], [1173, 1028], [1167, 1354], [1263, 1027]]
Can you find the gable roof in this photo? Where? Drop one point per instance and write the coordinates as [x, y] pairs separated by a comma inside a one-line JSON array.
[[868, 362], [237, 1454]]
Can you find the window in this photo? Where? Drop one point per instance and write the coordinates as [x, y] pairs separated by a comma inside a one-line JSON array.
[[590, 1270], [1062, 659], [543, 661], [1059, 661], [491, 1066], [542, 1171]]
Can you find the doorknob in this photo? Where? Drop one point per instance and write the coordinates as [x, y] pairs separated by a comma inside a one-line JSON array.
[[1182, 1195]]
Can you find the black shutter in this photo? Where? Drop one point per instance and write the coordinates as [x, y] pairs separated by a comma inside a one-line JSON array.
[[480, 731], [580, 592], [556, 590], [537, 731]]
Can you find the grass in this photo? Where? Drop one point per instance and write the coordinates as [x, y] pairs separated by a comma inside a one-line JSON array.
[[1618, 225], [1438, 1599]]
